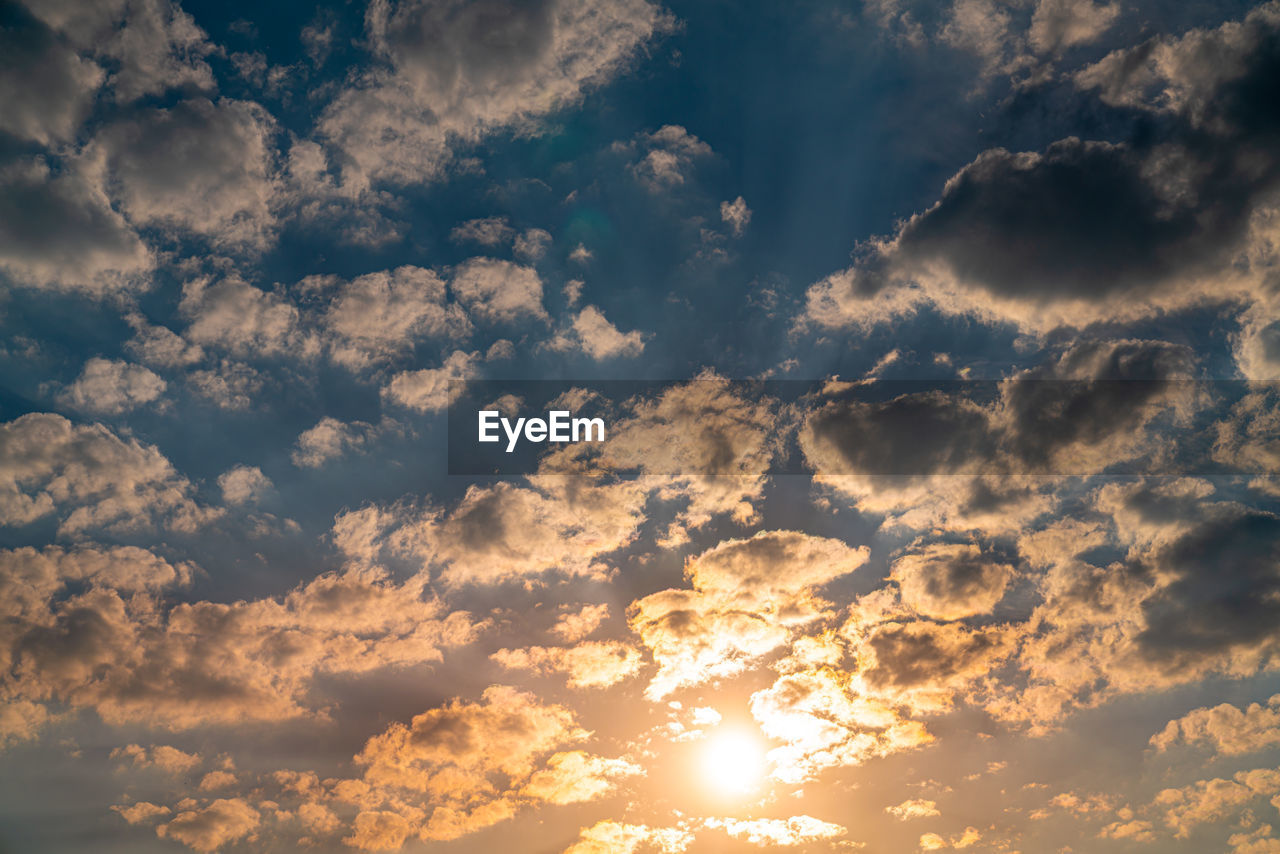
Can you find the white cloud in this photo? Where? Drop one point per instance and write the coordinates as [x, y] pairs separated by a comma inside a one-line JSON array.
[[427, 390], [598, 338], [736, 215], [111, 387], [48, 465], [498, 291], [243, 484], [448, 77]]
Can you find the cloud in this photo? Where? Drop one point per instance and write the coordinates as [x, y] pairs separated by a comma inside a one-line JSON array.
[[914, 808], [1215, 800], [746, 596], [58, 231], [1087, 231], [612, 837], [453, 755], [201, 166], [428, 390], [233, 314], [329, 440], [736, 215], [589, 664], [598, 338], [243, 484], [950, 582], [503, 532], [1060, 24], [153, 45], [159, 346], [165, 757], [111, 387], [489, 231], [53, 112], [223, 821], [669, 155], [781, 832], [1228, 729], [444, 79], [498, 291], [88, 629], [379, 316], [576, 625], [91, 478]]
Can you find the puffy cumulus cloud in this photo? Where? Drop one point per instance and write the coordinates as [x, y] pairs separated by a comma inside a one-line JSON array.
[[950, 582], [1163, 615], [140, 812], [1060, 24], [1247, 437], [152, 45], [825, 722], [576, 625], [1088, 231], [159, 346], [688, 432], [736, 215], [498, 291], [91, 478], [112, 644], [914, 808], [201, 166], [594, 335], [669, 154], [229, 385], [379, 316], [110, 387], [58, 230], [243, 484], [612, 837], [532, 244], [221, 822], [163, 756], [489, 231], [1228, 729], [504, 531], [1258, 841], [922, 664], [54, 111], [746, 597], [329, 440], [576, 776], [477, 763], [590, 664], [379, 830], [234, 315], [1215, 800], [450, 76], [780, 832], [893, 449], [937, 842], [428, 389]]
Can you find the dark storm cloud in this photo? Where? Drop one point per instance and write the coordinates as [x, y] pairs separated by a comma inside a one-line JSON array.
[[1101, 222], [1226, 593], [1085, 410]]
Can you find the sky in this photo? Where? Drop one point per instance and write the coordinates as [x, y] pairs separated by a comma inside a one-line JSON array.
[[936, 344]]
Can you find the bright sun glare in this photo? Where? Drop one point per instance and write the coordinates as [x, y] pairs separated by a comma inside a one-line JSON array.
[[733, 762]]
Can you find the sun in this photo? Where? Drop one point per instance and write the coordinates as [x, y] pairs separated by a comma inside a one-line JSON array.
[[733, 762]]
